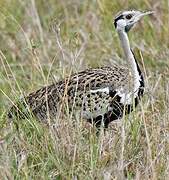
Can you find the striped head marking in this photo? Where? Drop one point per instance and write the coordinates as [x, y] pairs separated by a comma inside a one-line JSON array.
[[125, 20]]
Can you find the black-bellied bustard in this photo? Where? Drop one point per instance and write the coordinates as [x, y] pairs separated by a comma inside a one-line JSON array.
[[100, 95]]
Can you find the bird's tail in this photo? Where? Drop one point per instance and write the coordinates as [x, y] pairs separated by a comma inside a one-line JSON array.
[[19, 110]]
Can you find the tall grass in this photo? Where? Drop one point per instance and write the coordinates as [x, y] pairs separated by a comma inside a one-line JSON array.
[[43, 41]]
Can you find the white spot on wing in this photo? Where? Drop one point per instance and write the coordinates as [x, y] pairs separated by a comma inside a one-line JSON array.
[[104, 90], [127, 98]]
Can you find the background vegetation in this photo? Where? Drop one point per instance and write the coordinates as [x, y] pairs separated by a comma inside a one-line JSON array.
[[40, 42]]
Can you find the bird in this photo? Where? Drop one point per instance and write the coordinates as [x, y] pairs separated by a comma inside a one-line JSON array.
[[100, 95]]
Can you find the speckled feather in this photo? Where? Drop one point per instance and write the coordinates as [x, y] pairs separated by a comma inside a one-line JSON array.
[[76, 93]]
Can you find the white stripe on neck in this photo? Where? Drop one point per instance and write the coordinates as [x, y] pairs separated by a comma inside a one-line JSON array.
[[130, 58]]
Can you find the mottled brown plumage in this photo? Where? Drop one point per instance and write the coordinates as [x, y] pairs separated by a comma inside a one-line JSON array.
[[75, 93]]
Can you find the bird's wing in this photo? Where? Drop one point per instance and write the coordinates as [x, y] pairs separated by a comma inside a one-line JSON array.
[[114, 77], [106, 80], [92, 89]]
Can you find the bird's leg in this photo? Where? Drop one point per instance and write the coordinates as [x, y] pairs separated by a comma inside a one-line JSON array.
[[100, 122]]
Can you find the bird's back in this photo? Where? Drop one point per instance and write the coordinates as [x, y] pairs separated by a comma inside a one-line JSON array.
[[93, 93]]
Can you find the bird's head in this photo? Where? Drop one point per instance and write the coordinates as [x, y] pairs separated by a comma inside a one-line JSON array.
[[125, 20]]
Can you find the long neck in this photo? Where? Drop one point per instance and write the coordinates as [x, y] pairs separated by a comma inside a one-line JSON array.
[[129, 55]]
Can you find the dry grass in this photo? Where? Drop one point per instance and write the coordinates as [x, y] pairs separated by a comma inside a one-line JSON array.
[[33, 55]]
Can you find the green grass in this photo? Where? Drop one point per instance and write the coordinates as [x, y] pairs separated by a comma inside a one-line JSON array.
[[136, 147]]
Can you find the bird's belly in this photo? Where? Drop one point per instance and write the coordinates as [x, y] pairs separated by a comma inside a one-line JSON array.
[[115, 108], [95, 108], [90, 113]]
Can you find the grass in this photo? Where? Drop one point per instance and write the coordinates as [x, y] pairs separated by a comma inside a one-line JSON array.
[[33, 55]]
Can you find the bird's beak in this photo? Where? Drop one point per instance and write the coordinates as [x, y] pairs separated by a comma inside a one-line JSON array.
[[139, 16], [147, 13], [144, 14]]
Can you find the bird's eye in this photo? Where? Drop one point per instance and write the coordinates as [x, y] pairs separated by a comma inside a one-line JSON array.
[[129, 16]]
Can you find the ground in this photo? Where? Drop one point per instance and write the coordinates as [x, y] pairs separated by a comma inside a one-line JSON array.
[[43, 41]]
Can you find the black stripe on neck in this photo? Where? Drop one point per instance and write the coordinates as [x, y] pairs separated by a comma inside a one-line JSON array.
[[141, 89], [118, 18]]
